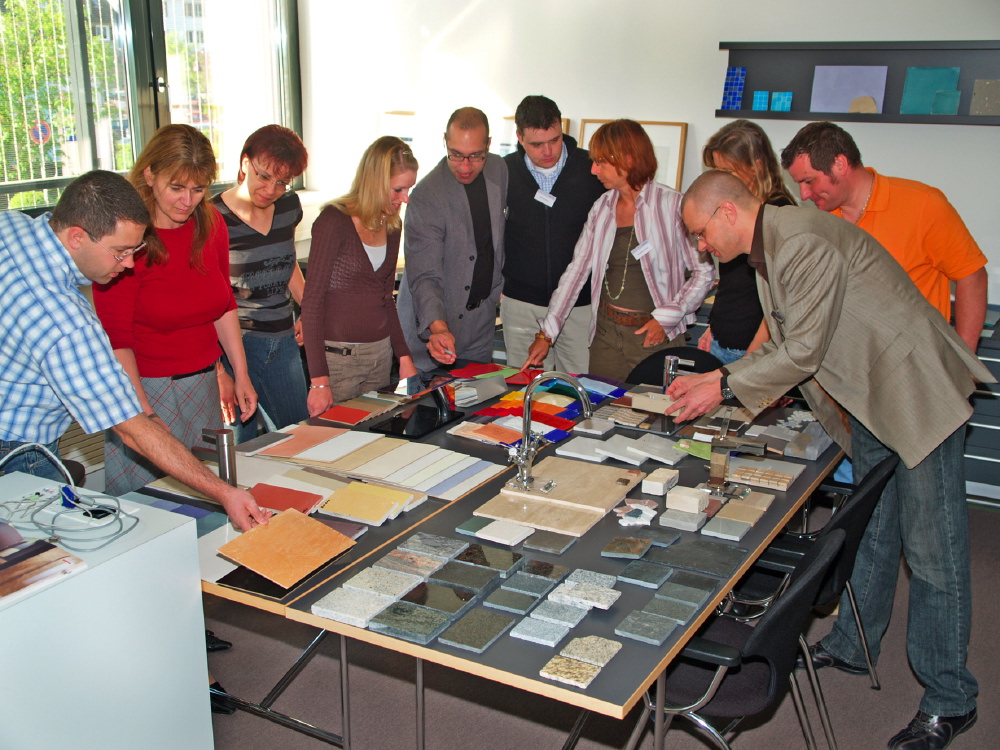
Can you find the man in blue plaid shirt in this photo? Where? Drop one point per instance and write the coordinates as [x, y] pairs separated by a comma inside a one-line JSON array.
[[56, 362]]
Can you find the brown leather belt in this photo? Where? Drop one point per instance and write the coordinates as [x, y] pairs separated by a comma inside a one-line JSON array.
[[624, 319]]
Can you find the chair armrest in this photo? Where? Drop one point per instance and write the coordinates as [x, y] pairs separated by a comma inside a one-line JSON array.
[[836, 488], [778, 561], [712, 652]]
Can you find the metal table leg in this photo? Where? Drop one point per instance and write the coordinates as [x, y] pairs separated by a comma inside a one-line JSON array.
[[419, 681], [345, 695], [659, 730]]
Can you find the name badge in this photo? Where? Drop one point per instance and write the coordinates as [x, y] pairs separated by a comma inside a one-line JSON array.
[[641, 249], [547, 198]]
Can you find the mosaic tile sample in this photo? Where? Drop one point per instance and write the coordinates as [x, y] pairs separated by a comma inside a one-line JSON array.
[[528, 584], [477, 630], [642, 626], [561, 614], [591, 649], [473, 525], [410, 622], [732, 90], [585, 594], [505, 561], [511, 601], [661, 538], [679, 611], [703, 556], [549, 541], [350, 607], [678, 519], [570, 671], [442, 598], [643, 573], [544, 569], [383, 582], [409, 562], [465, 576], [431, 544], [505, 532], [781, 101], [723, 528], [581, 575], [629, 548], [541, 632]]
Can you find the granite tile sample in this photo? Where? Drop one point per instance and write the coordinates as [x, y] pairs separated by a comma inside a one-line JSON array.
[[660, 537], [581, 575], [543, 569], [678, 519], [549, 541], [541, 632], [473, 525], [431, 544], [723, 528], [412, 563], [702, 555], [592, 649], [561, 614], [465, 576], [505, 532], [383, 582], [410, 622], [511, 601], [570, 671], [643, 573], [681, 593], [452, 601], [477, 630], [528, 584], [630, 548], [350, 606], [642, 626], [504, 561], [679, 611], [585, 595]]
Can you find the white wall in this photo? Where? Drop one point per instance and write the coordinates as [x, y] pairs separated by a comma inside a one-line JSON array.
[[644, 59]]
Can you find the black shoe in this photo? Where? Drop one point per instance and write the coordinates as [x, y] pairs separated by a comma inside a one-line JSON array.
[[220, 703], [926, 732], [822, 658], [214, 643]]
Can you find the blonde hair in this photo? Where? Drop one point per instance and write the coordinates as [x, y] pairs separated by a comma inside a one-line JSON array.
[[180, 152], [744, 144], [369, 195]]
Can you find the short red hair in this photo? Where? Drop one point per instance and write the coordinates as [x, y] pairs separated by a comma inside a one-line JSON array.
[[625, 145]]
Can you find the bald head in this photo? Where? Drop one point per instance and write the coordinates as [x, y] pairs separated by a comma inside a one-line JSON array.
[[715, 187], [720, 212]]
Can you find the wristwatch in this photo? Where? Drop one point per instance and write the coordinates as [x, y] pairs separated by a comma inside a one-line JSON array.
[[727, 392]]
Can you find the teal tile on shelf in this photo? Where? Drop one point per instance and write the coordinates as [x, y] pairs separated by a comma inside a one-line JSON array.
[[477, 630]]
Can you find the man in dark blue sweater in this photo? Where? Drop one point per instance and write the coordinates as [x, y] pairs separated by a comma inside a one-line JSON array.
[[549, 194]]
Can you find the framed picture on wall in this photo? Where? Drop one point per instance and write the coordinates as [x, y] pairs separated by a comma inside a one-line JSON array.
[[505, 142], [668, 140]]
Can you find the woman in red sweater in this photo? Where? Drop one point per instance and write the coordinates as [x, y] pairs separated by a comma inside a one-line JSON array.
[[167, 317], [349, 321]]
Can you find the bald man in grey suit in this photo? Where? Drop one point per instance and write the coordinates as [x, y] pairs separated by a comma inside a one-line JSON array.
[[848, 325]]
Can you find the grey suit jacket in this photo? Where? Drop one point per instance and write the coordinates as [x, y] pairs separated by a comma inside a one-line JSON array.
[[847, 323], [440, 255]]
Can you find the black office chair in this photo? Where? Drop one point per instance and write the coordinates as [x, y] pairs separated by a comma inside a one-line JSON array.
[[751, 664], [693, 360]]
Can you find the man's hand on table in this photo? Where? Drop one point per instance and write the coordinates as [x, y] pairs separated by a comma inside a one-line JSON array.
[[695, 395]]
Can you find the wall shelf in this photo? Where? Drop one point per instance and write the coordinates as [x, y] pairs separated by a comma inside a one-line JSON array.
[[789, 66]]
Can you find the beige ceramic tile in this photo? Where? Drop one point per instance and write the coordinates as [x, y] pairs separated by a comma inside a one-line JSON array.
[[540, 514], [581, 485]]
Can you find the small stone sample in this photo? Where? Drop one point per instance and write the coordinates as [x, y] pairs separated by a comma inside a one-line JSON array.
[[570, 671], [462, 575], [383, 582], [637, 517], [505, 532], [583, 448], [681, 593], [687, 500], [678, 611], [585, 594], [594, 426], [694, 580], [701, 555], [473, 525], [477, 630], [723, 528], [350, 606], [735, 511], [410, 622], [544, 569], [526, 584], [642, 626], [503, 561], [643, 573], [538, 631], [511, 601], [581, 575], [432, 544], [442, 598], [592, 649], [660, 481], [657, 448], [561, 614], [617, 447], [412, 563], [629, 548], [677, 519], [661, 538], [549, 541]]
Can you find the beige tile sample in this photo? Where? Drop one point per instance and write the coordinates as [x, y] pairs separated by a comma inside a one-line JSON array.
[[450, 458], [587, 486], [740, 512], [305, 436], [540, 514], [395, 459], [403, 475], [367, 453], [366, 503]]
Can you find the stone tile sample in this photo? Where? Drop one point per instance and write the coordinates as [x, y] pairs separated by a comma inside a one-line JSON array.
[[543, 569], [410, 622], [714, 506], [677, 519], [561, 614], [541, 632], [526, 584], [465, 576], [735, 511], [389, 583], [511, 601], [657, 448], [627, 547], [540, 514], [586, 486], [594, 426], [442, 598], [570, 671], [723, 528], [660, 537], [504, 561], [617, 447], [411, 563], [694, 580], [549, 541], [660, 481], [432, 544], [583, 448], [757, 499], [687, 500], [350, 606], [473, 525], [643, 573], [585, 594], [581, 575], [681, 593], [642, 626], [592, 649], [505, 532], [703, 556], [477, 630], [679, 611]]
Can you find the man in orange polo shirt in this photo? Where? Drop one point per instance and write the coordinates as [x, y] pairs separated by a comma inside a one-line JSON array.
[[913, 221]]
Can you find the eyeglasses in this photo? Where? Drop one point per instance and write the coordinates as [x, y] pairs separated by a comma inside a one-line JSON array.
[[119, 256], [473, 158], [700, 236], [267, 180]]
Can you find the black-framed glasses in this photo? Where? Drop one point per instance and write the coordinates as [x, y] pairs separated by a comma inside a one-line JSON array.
[[267, 180], [118, 256], [700, 236], [473, 158]]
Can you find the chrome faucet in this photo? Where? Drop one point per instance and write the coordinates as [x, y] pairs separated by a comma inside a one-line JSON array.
[[524, 455]]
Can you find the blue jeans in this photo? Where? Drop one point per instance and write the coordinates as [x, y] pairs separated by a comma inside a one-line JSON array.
[[31, 461], [922, 514], [276, 372], [724, 354]]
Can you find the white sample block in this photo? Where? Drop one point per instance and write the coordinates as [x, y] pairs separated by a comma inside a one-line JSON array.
[[660, 481], [687, 500], [678, 519], [658, 448]]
